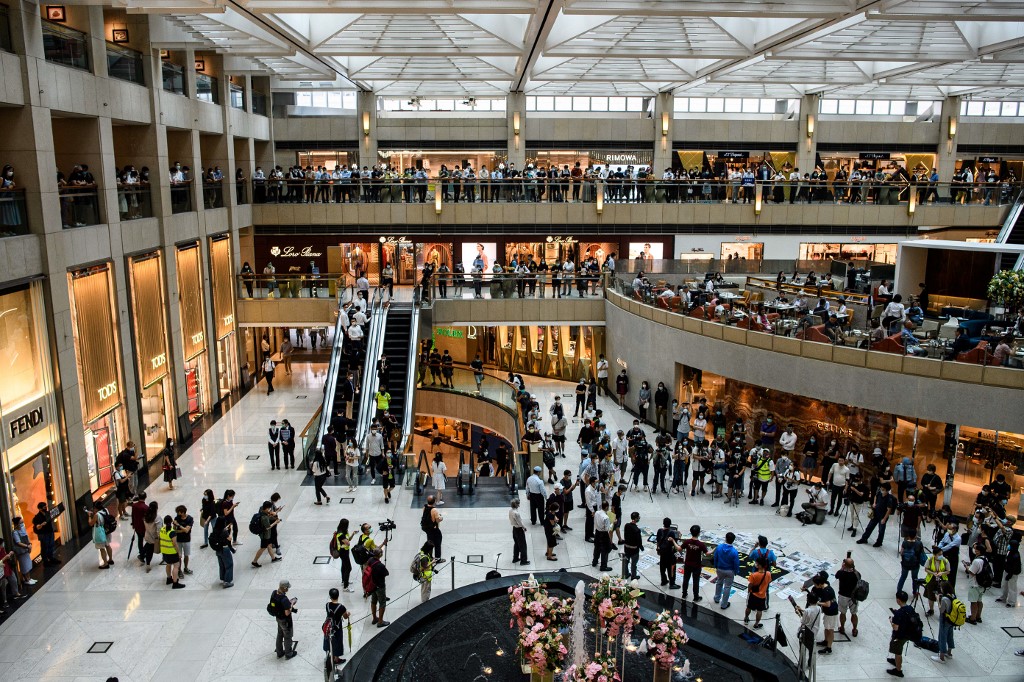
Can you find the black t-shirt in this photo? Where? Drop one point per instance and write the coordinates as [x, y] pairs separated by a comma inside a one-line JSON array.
[[125, 457], [827, 594], [931, 480], [336, 614], [187, 522], [847, 582], [43, 523], [281, 604], [1000, 489], [901, 619], [380, 574]]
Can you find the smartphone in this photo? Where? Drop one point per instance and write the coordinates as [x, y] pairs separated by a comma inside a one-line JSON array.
[[792, 601]]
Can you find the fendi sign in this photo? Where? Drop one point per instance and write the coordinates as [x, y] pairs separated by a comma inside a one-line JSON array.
[[25, 421]]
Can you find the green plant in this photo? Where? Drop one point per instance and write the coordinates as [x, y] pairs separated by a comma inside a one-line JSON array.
[[1007, 287]]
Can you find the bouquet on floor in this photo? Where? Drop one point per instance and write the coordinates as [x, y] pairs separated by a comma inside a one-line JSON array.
[[615, 605], [542, 647], [666, 636], [601, 669]]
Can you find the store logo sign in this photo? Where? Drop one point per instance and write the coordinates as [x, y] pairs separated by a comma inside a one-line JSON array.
[[292, 252], [833, 428], [392, 241], [568, 241], [197, 338], [26, 421], [228, 319], [450, 332], [158, 361], [108, 390]]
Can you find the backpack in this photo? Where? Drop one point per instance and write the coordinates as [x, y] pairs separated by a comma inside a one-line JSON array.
[[273, 606], [368, 584], [335, 554], [915, 628], [109, 521], [255, 527], [957, 615], [416, 567], [861, 591], [985, 578], [910, 556], [360, 553]]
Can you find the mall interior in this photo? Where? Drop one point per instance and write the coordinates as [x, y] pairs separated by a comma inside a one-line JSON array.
[[724, 200]]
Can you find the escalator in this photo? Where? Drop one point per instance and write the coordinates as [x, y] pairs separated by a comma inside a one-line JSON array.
[[1012, 233], [397, 337]]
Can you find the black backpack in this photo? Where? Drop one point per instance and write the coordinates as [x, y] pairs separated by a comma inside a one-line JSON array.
[[985, 577], [915, 628], [861, 591], [109, 521], [274, 606], [360, 553], [255, 527]]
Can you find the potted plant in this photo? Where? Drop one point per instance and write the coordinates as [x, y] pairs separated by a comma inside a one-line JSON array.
[[1007, 288]]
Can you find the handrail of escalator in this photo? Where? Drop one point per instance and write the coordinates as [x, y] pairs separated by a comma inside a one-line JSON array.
[[374, 341], [410, 381], [472, 472], [422, 471], [330, 384], [1011, 219], [462, 466]]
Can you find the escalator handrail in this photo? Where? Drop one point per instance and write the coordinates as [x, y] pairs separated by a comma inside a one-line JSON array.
[[374, 342], [330, 385], [410, 380], [472, 471], [1011, 219]]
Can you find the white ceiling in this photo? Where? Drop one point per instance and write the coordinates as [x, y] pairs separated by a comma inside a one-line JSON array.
[[785, 48]]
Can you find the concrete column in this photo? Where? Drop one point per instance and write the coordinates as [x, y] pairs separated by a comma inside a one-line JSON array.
[[945, 150], [515, 105], [807, 145], [366, 106], [664, 105], [97, 42]]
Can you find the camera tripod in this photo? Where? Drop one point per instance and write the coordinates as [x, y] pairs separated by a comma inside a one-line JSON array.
[[846, 513]]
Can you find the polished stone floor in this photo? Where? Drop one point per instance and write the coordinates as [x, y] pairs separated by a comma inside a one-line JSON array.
[[205, 632]]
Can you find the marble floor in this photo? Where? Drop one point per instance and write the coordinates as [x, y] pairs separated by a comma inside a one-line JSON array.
[[205, 632]]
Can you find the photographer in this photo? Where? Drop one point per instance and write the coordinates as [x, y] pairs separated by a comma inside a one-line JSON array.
[[375, 584], [790, 485], [911, 513], [430, 523], [814, 507], [911, 557], [856, 494], [931, 488], [282, 609]]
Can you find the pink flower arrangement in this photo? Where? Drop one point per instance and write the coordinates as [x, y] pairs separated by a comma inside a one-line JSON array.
[[529, 603], [542, 647], [667, 635], [615, 605], [601, 669], [538, 617]]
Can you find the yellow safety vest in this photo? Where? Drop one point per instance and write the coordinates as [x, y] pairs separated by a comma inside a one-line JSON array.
[[166, 543]]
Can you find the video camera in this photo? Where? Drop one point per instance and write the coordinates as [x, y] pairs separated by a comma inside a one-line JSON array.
[[387, 526]]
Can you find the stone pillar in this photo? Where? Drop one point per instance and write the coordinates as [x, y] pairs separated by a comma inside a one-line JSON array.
[[807, 144], [945, 150], [664, 106], [366, 111], [515, 107]]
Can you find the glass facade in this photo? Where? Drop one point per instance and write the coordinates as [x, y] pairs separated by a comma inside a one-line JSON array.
[[224, 314], [192, 312], [30, 437]]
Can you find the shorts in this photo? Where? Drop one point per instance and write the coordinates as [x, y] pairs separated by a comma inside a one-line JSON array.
[[379, 596], [847, 604], [266, 543], [763, 485], [974, 594], [896, 646], [830, 622], [101, 545], [185, 549], [756, 603], [736, 483], [171, 559]]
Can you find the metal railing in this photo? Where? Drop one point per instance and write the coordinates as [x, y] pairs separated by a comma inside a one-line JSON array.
[[512, 285], [326, 411], [64, 45], [292, 285], [13, 213], [207, 89], [259, 103], [491, 388], [79, 206], [411, 190], [241, 193], [181, 197], [173, 78], [134, 202], [213, 194], [374, 341], [408, 416]]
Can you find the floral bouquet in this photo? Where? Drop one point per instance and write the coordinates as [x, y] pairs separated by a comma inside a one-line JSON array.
[[667, 635], [529, 604], [615, 606], [542, 648], [601, 669]]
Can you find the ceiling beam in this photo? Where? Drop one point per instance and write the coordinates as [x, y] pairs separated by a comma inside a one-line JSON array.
[[537, 32]]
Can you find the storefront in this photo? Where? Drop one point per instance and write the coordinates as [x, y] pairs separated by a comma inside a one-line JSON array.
[[224, 315], [565, 352], [742, 250], [727, 160], [1005, 167], [966, 458], [192, 313], [98, 354], [432, 160], [858, 251], [327, 158], [889, 162], [149, 321], [32, 463], [593, 158]]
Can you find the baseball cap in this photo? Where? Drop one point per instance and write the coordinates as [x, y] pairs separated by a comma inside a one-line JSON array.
[[285, 584], [537, 470]]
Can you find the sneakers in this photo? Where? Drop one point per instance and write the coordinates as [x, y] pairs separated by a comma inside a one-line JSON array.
[[383, 623], [894, 672], [227, 585], [178, 586], [31, 581], [938, 658]]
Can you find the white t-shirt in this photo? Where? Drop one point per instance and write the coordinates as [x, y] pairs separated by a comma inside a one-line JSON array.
[[973, 571], [602, 369], [787, 441]]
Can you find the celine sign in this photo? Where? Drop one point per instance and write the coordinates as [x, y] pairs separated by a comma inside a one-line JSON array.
[[833, 428], [25, 421], [292, 252]]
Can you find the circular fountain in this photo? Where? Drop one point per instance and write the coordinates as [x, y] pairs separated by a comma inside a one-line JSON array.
[[465, 635]]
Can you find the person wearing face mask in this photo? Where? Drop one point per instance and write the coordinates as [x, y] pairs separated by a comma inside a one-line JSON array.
[[769, 431], [810, 460], [830, 457], [130, 461], [374, 449], [9, 212]]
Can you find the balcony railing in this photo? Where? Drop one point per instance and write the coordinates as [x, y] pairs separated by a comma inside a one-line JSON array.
[[79, 207], [213, 193], [13, 213], [294, 285], [65, 45], [259, 103], [739, 316], [237, 94], [241, 192], [173, 78], [411, 191], [207, 89], [125, 64], [5, 29], [181, 197], [134, 202]]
